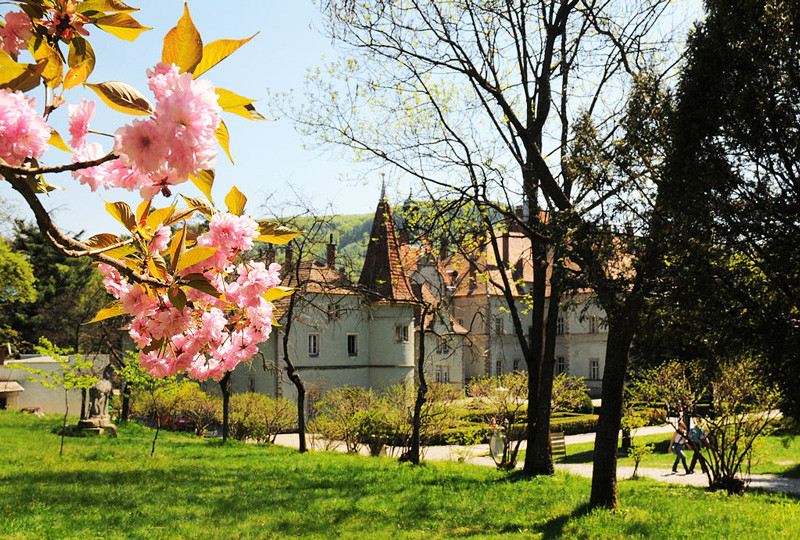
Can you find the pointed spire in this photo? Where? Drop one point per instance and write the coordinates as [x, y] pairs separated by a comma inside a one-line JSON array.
[[383, 187]]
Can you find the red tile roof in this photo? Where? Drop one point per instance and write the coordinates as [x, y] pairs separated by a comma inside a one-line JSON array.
[[383, 276]]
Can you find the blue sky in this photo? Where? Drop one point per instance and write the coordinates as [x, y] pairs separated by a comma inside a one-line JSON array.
[[269, 156]]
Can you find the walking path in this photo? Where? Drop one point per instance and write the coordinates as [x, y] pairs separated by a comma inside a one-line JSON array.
[[479, 455]]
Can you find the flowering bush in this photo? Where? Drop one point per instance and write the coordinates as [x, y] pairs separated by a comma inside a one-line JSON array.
[[197, 305]]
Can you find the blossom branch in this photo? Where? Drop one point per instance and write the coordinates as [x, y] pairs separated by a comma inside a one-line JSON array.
[[5, 169], [70, 246]]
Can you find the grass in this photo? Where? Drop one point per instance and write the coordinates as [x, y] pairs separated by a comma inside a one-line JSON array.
[[777, 454], [110, 488]]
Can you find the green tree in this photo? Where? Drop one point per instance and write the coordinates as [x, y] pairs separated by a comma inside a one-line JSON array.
[[735, 172], [69, 292], [73, 373], [478, 100]]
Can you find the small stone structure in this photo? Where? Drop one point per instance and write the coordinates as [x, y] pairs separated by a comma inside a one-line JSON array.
[[99, 419]]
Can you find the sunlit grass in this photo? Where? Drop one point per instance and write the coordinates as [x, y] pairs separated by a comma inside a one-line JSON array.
[[774, 454], [111, 488]]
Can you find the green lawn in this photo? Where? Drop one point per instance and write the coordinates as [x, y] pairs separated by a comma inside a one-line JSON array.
[[111, 488], [775, 454]]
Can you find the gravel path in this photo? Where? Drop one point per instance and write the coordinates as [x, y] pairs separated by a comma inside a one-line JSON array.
[[479, 455]]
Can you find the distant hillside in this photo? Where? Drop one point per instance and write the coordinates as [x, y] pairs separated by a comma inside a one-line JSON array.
[[350, 234]]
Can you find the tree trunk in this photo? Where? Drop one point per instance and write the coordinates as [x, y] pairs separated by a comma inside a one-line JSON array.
[[543, 460], [83, 403], [537, 458], [225, 386], [126, 403], [301, 404], [414, 452], [604, 473]]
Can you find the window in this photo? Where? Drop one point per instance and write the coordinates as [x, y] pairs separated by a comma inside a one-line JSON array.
[[560, 325], [352, 344], [594, 368], [499, 367], [516, 365], [561, 365], [442, 347], [401, 333], [442, 374], [594, 324], [313, 344], [460, 321], [498, 324], [333, 312]]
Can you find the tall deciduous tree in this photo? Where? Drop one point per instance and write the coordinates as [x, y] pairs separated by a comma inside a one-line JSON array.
[[479, 99]]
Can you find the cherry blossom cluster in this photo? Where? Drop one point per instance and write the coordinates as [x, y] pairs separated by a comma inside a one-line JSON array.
[[23, 133], [210, 334], [160, 151], [15, 34]]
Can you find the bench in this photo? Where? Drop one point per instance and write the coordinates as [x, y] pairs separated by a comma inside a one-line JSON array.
[[558, 446]]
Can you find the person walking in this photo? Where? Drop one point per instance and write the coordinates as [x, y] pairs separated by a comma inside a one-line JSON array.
[[697, 438], [676, 445]]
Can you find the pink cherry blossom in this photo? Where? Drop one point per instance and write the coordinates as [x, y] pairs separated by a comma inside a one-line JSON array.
[[115, 284], [232, 233], [138, 302], [16, 33], [162, 80], [140, 332], [160, 240], [93, 176], [79, 117], [23, 133], [141, 144]]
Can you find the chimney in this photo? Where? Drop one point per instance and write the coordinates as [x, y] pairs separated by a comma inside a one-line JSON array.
[[331, 253], [506, 242]]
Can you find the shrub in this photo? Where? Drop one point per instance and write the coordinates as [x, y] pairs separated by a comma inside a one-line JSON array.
[[261, 418], [569, 393], [202, 409], [337, 417]]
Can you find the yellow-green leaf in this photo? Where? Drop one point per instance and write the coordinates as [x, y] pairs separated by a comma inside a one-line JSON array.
[[177, 247], [123, 97], [194, 256], [272, 232], [53, 72], [113, 309], [16, 76], [102, 240], [183, 45], [159, 216], [204, 180], [121, 253], [77, 75], [103, 5], [57, 141], [217, 51], [247, 111], [180, 215], [235, 201], [80, 51], [121, 25], [200, 204], [277, 292], [157, 266], [122, 213], [142, 210], [224, 139], [227, 99]]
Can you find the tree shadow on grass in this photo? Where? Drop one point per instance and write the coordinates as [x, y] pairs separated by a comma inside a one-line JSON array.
[[554, 528]]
